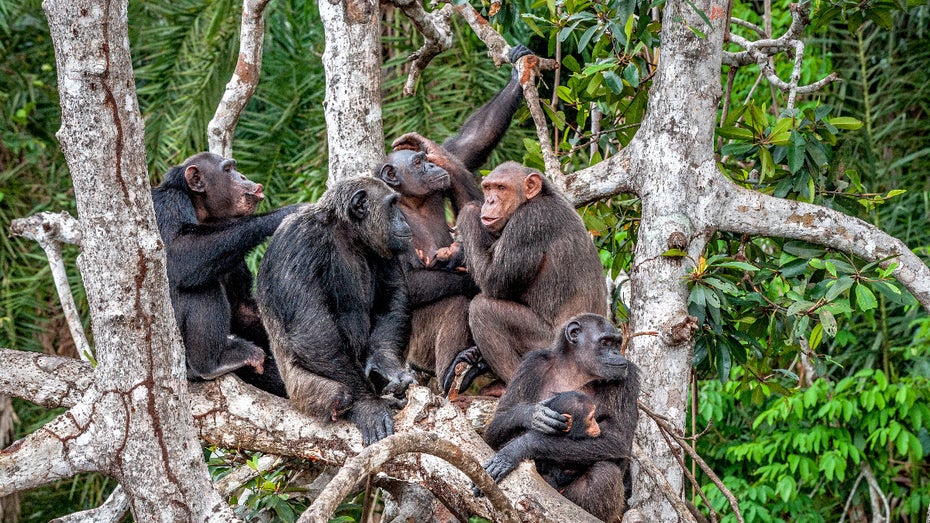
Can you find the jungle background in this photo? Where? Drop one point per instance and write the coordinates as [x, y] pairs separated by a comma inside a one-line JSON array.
[[812, 369]]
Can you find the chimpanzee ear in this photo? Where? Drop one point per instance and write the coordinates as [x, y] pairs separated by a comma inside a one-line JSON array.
[[388, 174], [358, 205], [572, 332], [194, 179], [532, 185]]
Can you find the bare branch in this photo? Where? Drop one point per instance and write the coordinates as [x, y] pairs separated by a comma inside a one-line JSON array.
[[603, 180], [111, 511], [375, 456], [437, 37], [667, 428], [50, 231], [50, 381], [740, 210], [760, 51], [244, 80], [59, 450]]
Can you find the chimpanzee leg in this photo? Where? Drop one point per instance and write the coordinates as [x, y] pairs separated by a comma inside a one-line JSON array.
[[504, 331], [438, 332], [599, 491], [311, 393], [211, 350]]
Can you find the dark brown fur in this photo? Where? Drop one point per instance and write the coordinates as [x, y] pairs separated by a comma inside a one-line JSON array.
[[535, 271], [585, 356]]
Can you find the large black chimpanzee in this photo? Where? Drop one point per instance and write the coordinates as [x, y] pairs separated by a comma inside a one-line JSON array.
[[427, 175], [204, 212], [590, 471], [333, 297]]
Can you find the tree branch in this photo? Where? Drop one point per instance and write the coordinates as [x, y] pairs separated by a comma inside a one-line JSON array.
[[111, 511], [244, 80], [59, 450], [49, 381], [375, 456], [659, 480], [437, 37], [760, 51], [740, 210], [50, 230]]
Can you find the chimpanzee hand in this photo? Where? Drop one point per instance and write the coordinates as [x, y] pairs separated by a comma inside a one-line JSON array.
[[398, 382], [449, 258], [417, 142], [373, 419], [470, 356], [498, 468], [539, 417], [517, 52]]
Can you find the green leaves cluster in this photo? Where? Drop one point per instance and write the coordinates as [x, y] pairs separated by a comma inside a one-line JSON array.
[[816, 441]]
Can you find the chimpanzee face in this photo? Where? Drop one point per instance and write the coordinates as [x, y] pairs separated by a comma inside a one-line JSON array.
[[411, 174], [379, 222], [597, 345], [505, 190], [222, 192]]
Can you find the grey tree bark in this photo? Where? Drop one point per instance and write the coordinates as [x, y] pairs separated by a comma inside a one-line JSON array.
[[132, 422]]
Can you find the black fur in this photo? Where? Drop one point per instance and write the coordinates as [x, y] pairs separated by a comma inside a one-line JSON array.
[[209, 282], [333, 298]]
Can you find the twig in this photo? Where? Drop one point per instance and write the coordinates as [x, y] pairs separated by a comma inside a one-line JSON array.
[[245, 473], [244, 80], [376, 455], [50, 231], [852, 493], [437, 37], [875, 490], [666, 427], [689, 475]]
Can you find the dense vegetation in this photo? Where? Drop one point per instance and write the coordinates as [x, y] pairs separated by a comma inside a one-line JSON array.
[[812, 367]]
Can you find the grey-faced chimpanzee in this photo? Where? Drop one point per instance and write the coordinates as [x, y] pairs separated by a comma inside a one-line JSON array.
[[332, 295], [204, 212], [426, 175], [535, 264], [585, 356]]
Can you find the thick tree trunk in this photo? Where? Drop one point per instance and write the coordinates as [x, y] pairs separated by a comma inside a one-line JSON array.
[[135, 423], [352, 62]]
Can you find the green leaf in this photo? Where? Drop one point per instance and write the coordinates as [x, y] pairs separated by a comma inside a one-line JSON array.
[[768, 166], [847, 123], [865, 300], [674, 253], [735, 133], [828, 322], [838, 287], [613, 82]]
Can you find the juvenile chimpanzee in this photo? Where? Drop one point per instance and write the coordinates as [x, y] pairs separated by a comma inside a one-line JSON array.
[[426, 175], [534, 262], [579, 409], [332, 295], [585, 356], [204, 212]]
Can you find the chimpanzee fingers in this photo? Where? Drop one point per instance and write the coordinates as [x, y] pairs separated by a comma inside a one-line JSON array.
[[409, 141], [548, 421], [470, 356], [499, 466], [373, 420], [398, 383], [518, 51]]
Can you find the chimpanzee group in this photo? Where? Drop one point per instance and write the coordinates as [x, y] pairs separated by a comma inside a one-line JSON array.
[[366, 286]]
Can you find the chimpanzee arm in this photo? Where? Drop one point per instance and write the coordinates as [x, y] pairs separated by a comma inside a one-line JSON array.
[[198, 254], [484, 129], [390, 329], [519, 409], [506, 268], [428, 285]]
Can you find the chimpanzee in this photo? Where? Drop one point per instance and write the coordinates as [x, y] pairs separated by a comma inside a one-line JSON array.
[[585, 356], [333, 297], [204, 212], [534, 262], [426, 175], [579, 409]]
